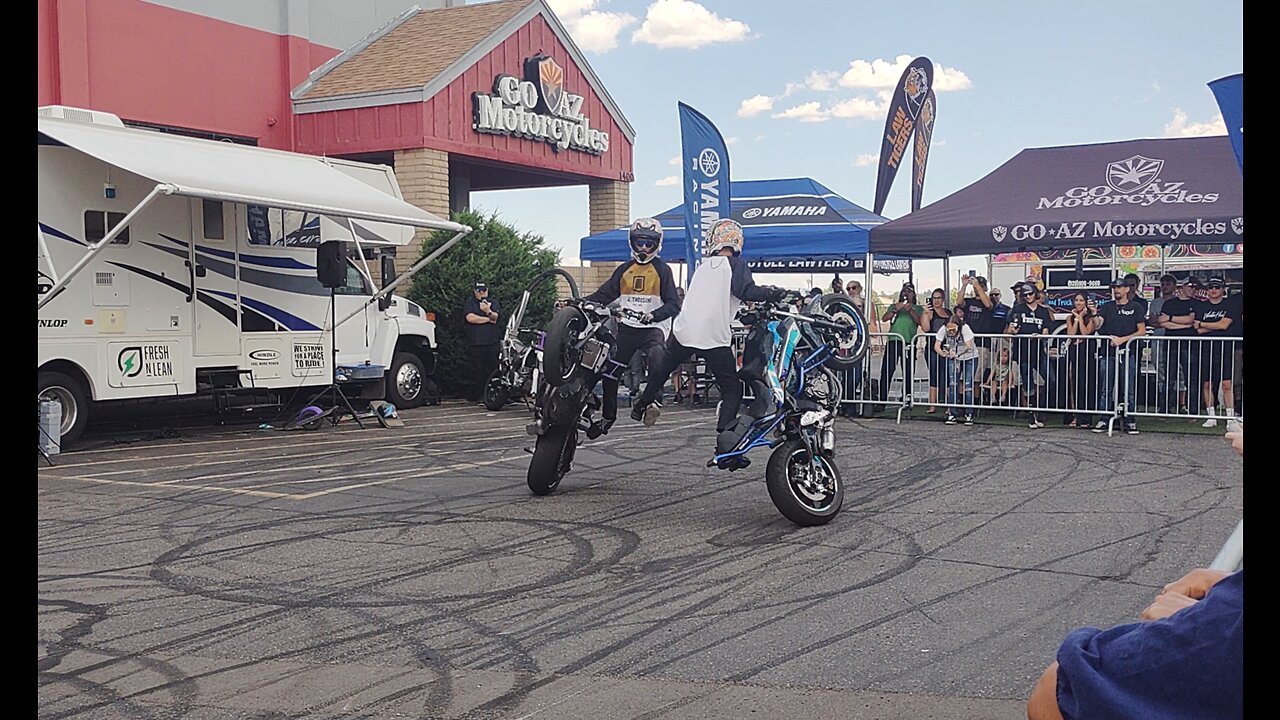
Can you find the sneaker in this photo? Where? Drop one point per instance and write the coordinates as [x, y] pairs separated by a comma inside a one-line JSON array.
[[599, 427], [1131, 428], [1210, 423], [951, 419], [1034, 423], [968, 419], [651, 414], [637, 413], [1100, 426]]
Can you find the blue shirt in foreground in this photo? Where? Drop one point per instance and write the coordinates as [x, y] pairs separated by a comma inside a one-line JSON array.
[[1188, 665]]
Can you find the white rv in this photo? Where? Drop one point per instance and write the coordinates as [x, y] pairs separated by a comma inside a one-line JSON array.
[[170, 266]]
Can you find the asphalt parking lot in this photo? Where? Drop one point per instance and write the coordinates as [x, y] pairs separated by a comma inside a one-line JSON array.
[[232, 572]]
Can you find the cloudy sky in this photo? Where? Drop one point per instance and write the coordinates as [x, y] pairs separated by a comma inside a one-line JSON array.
[[800, 88]]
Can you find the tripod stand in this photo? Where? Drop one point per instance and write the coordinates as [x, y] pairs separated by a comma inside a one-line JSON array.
[[334, 391]]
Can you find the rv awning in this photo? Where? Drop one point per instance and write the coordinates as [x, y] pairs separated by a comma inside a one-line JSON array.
[[239, 173]]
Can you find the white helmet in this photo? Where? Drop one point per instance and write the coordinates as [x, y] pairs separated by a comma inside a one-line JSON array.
[[641, 230], [724, 233]]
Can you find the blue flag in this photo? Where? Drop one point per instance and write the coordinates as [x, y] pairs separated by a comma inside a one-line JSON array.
[[1229, 92], [706, 181]]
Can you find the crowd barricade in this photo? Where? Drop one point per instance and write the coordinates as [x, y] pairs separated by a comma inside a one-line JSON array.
[[864, 388], [1197, 378]]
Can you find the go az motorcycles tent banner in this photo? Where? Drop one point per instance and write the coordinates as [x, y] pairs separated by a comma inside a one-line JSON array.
[[920, 150], [904, 112], [706, 180], [1229, 91]]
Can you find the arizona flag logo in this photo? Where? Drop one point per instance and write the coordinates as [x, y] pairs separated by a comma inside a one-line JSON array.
[[547, 74]]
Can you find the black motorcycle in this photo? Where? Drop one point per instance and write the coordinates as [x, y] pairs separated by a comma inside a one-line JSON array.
[[577, 351], [516, 377]]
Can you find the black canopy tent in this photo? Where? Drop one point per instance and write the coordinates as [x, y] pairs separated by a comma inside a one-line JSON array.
[[1151, 192]]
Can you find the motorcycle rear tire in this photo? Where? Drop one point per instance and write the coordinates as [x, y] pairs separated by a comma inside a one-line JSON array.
[[552, 458], [804, 511], [559, 359], [496, 393], [840, 306]]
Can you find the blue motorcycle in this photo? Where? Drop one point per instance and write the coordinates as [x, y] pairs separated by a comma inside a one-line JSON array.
[[793, 351]]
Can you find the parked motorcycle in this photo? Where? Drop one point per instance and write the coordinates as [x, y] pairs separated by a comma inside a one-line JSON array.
[[792, 349], [577, 351], [519, 358]]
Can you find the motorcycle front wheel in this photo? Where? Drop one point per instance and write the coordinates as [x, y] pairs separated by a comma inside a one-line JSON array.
[[805, 494], [560, 355], [552, 458], [496, 392]]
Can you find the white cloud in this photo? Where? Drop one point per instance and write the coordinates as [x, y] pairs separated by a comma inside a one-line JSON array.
[[592, 30], [686, 24], [755, 105], [760, 137], [859, 108], [668, 180], [865, 159], [808, 112], [1179, 127], [674, 161], [731, 141], [822, 80], [881, 73]]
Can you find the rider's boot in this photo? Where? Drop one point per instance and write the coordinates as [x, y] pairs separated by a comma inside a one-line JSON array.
[[599, 427]]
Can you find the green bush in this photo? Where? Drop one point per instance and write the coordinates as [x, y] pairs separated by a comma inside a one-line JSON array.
[[496, 253]]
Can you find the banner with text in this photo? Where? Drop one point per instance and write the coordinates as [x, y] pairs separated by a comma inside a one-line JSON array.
[[904, 111], [705, 160], [920, 149]]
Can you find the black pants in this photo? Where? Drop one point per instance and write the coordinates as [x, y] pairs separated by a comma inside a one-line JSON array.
[[1082, 364], [484, 358], [648, 342], [893, 352], [722, 364]]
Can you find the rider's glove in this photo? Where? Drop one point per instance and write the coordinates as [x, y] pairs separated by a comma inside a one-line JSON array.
[[646, 318], [776, 294]]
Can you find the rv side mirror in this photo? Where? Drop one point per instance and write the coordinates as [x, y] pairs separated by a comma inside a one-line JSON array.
[[388, 270]]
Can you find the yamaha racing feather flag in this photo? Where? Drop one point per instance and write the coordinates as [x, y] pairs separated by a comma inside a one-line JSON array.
[[904, 111], [920, 149], [1229, 92], [706, 181]]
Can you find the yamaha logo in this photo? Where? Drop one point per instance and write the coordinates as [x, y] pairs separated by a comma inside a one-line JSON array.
[[709, 162], [750, 213], [998, 233], [1133, 174]]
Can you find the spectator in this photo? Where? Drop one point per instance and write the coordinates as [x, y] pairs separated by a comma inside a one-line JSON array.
[[1177, 320], [1000, 380], [1135, 292], [1214, 319], [904, 318], [483, 337], [954, 341], [1168, 291], [936, 315], [854, 290], [1123, 320], [1082, 358], [1029, 320], [837, 285], [1237, 300], [979, 313], [1183, 659]]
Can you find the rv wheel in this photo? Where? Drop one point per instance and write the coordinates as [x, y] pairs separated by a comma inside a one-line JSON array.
[[405, 388], [74, 399]]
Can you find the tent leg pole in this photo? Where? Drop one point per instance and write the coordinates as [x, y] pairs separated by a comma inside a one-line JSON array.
[[869, 297], [946, 277], [1113, 262]]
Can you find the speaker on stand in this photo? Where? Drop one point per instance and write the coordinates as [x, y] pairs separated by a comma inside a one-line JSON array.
[[331, 271]]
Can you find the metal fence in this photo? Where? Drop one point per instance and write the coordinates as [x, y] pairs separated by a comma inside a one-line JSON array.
[[1074, 380]]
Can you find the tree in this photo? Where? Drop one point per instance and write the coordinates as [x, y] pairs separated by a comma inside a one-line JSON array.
[[495, 253]]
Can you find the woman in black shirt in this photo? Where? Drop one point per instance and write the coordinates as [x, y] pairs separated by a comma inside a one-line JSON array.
[[936, 316]]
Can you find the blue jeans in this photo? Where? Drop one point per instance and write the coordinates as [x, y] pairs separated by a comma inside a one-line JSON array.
[[1109, 370], [1033, 394], [961, 371]]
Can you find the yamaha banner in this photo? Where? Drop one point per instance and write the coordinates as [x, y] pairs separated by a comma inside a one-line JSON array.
[[706, 180], [1229, 92], [920, 150], [904, 111]]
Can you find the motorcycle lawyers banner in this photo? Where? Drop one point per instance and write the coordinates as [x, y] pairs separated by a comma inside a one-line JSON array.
[[904, 111], [1229, 91], [706, 181], [920, 150]]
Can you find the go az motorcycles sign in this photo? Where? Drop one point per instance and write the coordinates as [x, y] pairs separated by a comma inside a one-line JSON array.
[[537, 108]]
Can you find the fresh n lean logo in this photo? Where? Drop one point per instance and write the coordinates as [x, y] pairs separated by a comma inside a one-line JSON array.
[[130, 361]]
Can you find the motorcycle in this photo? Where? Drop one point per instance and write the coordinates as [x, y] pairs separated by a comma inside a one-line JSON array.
[[577, 351], [792, 354], [519, 360]]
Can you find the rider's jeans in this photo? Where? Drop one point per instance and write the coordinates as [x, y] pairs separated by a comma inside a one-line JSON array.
[[961, 371], [647, 341], [722, 364]]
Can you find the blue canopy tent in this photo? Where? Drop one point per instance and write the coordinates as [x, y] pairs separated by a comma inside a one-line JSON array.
[[790, 225]]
